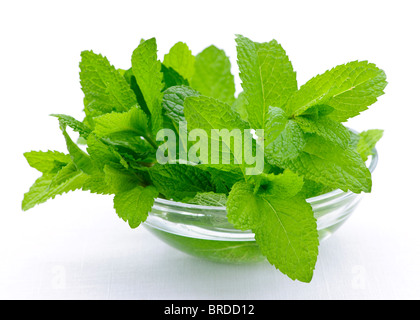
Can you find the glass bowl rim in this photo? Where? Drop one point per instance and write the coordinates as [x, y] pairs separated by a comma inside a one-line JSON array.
[[373, 161]]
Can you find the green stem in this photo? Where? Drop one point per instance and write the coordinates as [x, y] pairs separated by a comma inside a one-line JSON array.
[[150, 140]]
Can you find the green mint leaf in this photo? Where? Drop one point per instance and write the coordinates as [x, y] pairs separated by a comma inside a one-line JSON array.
[[349, 89], [76, 125], [318, 111], [326, 128], [130, 123], [284, 186], [64, 174], [223, 177], [267, 77], [172, 78], [102, 154], [133, 206], [239, 106], [104, 87], [80, 158], [288, 236], [173, 114], [244, 215], [367, 142], [331, 165], [209, 199], [81, 141], [286, 145], [206, 114], [48, 186], [47, 162], [120, 180], [275, 124], [284, 226], [213, 77], [181, 60], [312, 189], [96, 184], [180, 181], [147, 71], [354, 139], [131, 80], [242, 206], [132, 149], [173, 102], [125, 129]]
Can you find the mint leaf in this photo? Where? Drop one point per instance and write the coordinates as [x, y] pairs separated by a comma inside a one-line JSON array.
[[48, 186], [367, 142], [284, 186], [213, 77], [312, 189], [173, 106], [80, 158], [331, 165], [96, 184], [209, 199], [243, 207], [285, 146], [133, 122], [239, 106], [349, 89], [125, 130], [181, 60], [64, 174], [47, 162], [223, 177], [173, 102], [326, 128], [267, 77], [288, 236], [133, 206], [206, 114], [285, 228], [76, 125], [172, 78], [135, 150], [120, 180], [147, 71], [131, 80], [180, 181], [102, 154], [275, 124], [104, 87]]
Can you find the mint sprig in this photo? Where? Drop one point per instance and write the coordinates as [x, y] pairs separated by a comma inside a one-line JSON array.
[[307, 149]]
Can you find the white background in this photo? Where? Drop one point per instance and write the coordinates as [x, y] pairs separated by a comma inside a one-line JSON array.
[[76, 247]]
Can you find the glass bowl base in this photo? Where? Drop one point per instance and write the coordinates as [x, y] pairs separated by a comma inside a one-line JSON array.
[[232, 252], [236, 252]]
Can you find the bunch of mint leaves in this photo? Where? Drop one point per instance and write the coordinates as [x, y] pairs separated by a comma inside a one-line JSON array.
[[308, 151]]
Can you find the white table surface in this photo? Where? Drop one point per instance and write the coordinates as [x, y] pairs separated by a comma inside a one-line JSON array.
[[87, 252]]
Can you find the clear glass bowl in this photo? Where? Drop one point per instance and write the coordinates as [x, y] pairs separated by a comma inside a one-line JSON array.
[[205, 232]]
